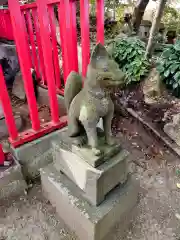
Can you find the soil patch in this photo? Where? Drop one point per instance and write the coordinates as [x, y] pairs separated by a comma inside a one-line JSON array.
[[156, 115]]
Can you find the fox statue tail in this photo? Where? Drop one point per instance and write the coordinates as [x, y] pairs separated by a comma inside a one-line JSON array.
[[72, 88]]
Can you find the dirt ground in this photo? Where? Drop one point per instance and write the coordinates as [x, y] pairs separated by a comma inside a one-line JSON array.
[[21, 107], [31, 217], [157, 114]]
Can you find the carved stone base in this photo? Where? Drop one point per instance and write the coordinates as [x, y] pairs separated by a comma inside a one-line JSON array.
[[89, 222], [94, 182], [85, 152], [173, 132], [173, 129]]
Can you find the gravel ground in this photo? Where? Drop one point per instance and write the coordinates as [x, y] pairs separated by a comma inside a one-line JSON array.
[[158, 215]]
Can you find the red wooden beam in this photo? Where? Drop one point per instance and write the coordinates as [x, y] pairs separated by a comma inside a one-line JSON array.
[[62, 22], [6, 105], [38, 40], [30, 135], [2, 156], [33, 46], [48, 58], [52, 1], [73, 33], [100, 21], [68, 38], [54, 45], [28, 6], [85, 41], [24, 59]]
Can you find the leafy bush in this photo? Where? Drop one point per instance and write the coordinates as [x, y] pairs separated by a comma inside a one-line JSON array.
[[129, 53], [168, 65]]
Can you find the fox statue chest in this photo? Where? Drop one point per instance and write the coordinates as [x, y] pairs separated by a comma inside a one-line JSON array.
[[95, 103]]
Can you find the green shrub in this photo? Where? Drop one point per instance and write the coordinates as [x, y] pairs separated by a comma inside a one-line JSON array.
[[168, 65], [129, 53]]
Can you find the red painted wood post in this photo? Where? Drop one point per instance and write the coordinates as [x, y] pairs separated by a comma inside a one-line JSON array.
[[33, 47], [73, 32], [24, 19], [66, 37], [68, 34], [61, 16], [85, 41], [54, 44], [38, 39], [48, 57], [6, 105], [2, 155], [24, 59], [100, 21]]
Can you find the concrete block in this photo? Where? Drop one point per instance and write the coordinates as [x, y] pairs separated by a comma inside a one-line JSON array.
[[87, 221], [12, 182], [95, 182], [3, 127], [43, 98], [18, 87], [35, 155]]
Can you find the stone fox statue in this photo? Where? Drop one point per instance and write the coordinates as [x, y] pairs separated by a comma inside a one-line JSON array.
[[86, 105]]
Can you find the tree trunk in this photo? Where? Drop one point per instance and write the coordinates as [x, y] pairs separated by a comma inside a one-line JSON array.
[[138, 13], [114, 10], [155, 26]]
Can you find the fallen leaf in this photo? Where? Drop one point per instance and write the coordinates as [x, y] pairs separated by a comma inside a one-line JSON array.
[[177, 215], [178, 185]]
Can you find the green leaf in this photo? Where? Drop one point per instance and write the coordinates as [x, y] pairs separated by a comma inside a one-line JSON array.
[[175, 85], [167, 73], [177, 46], [177, 76], [173, 57], [129, 54], [173, 68], [166, 53]]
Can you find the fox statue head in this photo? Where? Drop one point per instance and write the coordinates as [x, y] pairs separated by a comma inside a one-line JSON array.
[[103, 71]]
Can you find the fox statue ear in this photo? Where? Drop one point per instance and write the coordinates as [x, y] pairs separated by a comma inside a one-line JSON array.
[[98, 53]]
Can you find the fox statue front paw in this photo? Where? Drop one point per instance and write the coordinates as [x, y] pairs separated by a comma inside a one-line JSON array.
[[96, 151], [110, 141]]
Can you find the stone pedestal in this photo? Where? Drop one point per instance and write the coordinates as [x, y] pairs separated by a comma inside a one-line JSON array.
[[92, 194], [172, 129], [95, 182], [12, 182], [87, 221]]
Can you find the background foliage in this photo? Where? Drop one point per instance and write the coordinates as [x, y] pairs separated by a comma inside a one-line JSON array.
[[168, 66], [129, 53], [171, 19]]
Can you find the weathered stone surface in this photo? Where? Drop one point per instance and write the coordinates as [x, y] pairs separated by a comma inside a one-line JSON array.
[[18, 87], [87, 221], [153, 87], [3, 127], [84, 152], [95, 182], [172, 129], [87, 103], [35, 155], [43, 98], [12, 182]]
